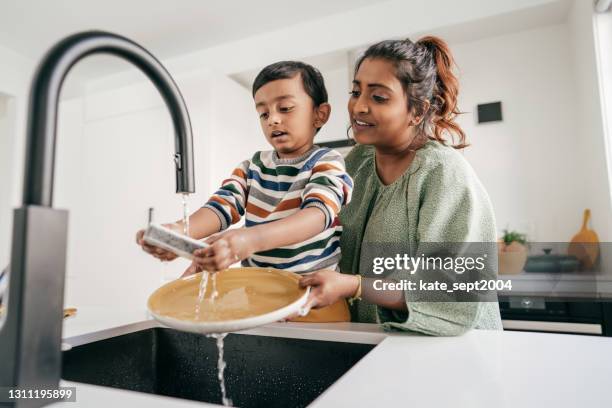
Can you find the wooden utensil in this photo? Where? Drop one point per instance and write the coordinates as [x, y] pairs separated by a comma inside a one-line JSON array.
[[585, 244], [71, 311]]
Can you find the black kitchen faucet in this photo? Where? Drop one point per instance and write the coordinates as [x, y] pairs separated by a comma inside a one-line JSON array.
[[31, 332]]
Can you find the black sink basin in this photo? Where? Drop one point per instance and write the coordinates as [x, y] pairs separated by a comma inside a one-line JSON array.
[[261, 371]]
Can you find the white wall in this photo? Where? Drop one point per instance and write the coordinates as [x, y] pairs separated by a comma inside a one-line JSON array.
[[603, 28], [342, 31], [235, 133], [603, 40], [6, 176], [15, 71], [527, 162], [337, 90], [590, 122], [115, 160]]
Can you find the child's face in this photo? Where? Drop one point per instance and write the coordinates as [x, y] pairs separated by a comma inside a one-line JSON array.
[[288, 116]]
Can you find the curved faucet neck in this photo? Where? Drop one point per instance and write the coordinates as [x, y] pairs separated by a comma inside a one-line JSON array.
[[44, 97]]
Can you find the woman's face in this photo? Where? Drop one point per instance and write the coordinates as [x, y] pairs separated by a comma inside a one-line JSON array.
[[378, 106]]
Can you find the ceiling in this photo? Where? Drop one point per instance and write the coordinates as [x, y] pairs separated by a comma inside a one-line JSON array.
[[166, 28], [547, 14]]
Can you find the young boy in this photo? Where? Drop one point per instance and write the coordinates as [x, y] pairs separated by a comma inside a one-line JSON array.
[[290, 196]]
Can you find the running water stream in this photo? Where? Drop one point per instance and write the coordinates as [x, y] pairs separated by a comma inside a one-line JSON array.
[[221, 367], [218, 336], [185, 196], [201, 298], [201, 293]]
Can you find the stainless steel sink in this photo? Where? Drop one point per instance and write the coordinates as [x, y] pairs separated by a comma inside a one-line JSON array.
[[261, 371]]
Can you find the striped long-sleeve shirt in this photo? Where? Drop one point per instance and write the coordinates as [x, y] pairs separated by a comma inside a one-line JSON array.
[[267, 188]]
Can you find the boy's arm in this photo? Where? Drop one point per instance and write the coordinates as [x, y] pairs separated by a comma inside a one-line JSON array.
[[225, 207], [328, 189], [202, 223], [234, 245], [228, 202], [295, 228]]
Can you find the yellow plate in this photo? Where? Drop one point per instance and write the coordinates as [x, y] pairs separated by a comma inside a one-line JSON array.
[[247, 297]]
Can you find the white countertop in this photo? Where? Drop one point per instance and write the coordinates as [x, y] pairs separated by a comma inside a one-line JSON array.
[[479, 369]]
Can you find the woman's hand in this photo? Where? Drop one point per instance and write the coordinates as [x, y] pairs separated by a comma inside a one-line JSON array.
[[159, 253], [328, 286], [225, 249]]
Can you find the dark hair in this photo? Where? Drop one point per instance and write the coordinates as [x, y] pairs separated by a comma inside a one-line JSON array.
[[425, 69], [312, 80]]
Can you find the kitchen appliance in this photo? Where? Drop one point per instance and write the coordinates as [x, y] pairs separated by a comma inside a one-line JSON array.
[[552, 263]]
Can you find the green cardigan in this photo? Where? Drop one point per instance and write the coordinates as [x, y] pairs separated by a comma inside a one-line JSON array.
[[438, 199]]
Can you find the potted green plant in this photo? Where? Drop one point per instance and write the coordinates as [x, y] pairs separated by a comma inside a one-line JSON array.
[[512, 252]]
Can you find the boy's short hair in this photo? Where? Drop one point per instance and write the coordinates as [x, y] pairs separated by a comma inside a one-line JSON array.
[[312, 80]]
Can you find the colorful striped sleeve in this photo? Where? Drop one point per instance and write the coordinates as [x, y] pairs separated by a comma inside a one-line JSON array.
[[329, 186], [230, 200]]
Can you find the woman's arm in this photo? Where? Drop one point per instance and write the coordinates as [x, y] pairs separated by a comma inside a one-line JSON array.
[[390, 299], [329, 286]]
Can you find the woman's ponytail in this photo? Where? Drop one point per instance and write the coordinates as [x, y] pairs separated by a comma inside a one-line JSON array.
[[445, 92], [425, 69]]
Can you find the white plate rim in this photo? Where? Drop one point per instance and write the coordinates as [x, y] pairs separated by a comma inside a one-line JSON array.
[[231, 325]]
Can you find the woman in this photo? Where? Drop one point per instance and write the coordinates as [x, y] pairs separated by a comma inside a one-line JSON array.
[[411, 187]]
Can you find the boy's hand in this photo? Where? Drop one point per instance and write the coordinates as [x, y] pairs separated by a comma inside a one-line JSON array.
[[225, 249], [192, 269], [158, 253]]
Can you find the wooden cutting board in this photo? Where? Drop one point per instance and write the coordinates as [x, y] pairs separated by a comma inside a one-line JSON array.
[[585, 244], [71, 311]]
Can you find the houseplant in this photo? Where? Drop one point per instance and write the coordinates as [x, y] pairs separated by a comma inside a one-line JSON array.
[[512, 252]]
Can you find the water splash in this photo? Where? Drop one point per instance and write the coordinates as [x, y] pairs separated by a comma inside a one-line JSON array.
[[221, 367], [201, 292], [184, 198], [214, 294]]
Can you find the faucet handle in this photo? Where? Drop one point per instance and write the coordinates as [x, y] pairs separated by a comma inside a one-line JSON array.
[[177, 161]]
